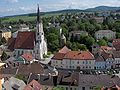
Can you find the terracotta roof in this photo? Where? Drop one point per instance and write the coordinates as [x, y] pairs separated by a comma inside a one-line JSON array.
[[64, 50], [27, 56], [25, 40], [106, 48], [33, 85], [58, 56], [11, 43], [79, 55]]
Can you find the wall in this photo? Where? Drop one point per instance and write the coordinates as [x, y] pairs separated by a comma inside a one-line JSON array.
[[19, 52]]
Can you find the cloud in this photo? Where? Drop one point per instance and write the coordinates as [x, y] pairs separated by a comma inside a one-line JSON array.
[[12, 1]]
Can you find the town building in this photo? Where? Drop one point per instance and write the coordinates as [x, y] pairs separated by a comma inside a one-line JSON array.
[[77, 34], [25, 59], [105, 33], [74, 60], [6, 33], [100, 63], [22, 28]]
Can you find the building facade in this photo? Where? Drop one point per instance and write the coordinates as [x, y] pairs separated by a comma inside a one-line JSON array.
[[74, 60], [6, 33], [105, 33]]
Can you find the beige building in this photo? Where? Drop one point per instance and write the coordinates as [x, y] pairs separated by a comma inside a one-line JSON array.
[[6, 33], [74, 60], [105, 33]]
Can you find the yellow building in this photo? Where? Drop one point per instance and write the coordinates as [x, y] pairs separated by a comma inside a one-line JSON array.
[[6, 33]]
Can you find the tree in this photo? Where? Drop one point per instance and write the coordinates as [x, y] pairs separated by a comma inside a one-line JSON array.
[[53, 42], [4, 56], [3, 40], [117, 35], [102, 42]]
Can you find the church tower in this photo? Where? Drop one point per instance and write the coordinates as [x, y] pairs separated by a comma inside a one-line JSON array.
[[40, 44]]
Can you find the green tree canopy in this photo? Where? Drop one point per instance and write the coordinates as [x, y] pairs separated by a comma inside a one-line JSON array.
[[4, 56], [102, 42]]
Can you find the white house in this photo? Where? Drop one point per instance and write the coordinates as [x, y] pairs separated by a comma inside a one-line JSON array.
[[105, 33], [74, 60]]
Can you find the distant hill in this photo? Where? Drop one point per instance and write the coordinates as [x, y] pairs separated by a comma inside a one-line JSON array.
[[52, 12], [103, 8], [99, 8]]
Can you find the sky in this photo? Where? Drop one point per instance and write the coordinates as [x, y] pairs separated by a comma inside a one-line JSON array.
[[16, 7]]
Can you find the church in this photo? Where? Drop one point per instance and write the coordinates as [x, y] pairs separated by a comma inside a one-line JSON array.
[[30, 42]]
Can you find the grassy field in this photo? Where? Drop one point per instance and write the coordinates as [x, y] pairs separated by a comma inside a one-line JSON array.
[[25, 18]]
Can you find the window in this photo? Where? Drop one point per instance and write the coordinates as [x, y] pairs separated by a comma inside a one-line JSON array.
[[89, 62], [83, 62], [86, 62], [66, 88], [89, 67], [83, 88]]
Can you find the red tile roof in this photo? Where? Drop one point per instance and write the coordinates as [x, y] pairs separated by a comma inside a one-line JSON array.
[[11, 43], [25, 40], [64, 50], [79, 55], [33, 85], [27, 56], [58, 56]]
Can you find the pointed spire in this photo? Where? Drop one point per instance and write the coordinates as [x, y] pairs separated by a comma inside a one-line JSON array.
[[38, 15]]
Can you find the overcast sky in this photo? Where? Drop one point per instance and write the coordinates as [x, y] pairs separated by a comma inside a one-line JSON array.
[[13, 7]]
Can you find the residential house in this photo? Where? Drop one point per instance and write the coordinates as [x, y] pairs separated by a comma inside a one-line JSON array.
[[6, 33], [116, 44], [77, 34], [109, 60], [109, 34], [25, 59], [22, 28]]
